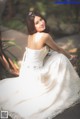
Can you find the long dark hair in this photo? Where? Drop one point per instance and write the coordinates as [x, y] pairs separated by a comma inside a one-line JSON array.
[[30, 22]]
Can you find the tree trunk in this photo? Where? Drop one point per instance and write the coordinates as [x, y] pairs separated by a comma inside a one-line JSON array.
[[10, 9]]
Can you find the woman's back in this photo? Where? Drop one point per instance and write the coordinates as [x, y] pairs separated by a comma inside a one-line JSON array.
[[35, 41]]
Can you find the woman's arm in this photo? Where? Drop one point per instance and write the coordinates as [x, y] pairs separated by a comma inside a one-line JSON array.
[[52, 44]]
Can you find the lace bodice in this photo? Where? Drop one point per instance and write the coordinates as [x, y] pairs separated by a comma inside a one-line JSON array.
[[34, 58]]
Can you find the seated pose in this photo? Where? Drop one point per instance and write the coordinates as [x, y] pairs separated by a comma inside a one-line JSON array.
[[47, 83]]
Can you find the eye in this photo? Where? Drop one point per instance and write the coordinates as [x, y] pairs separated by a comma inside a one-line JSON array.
[[36, 22], [41, 19]]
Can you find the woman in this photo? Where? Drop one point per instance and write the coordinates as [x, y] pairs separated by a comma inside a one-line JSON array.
[[47, 84]]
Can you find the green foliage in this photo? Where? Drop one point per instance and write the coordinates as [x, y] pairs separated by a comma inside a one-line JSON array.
[[14, 24], [6, 63], [6, 44], [64, 13]]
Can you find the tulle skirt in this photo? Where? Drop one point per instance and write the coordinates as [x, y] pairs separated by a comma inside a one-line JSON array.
[[41, 93]]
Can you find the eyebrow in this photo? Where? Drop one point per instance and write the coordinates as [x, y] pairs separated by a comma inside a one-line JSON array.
[[38, 20]]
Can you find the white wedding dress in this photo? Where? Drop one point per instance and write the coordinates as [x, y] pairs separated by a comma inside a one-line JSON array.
[[46, 86]]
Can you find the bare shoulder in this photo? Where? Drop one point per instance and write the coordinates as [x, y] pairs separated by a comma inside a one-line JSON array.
[[41, 38], [44, 36]]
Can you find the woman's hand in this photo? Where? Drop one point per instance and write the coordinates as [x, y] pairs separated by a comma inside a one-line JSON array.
[[73, 57]]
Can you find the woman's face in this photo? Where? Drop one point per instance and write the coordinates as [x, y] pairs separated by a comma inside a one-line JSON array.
[[39, 24]]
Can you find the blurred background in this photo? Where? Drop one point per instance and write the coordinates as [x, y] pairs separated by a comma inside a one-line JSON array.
[[63, 19]]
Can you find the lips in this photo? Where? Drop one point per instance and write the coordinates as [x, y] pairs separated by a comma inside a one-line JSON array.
[[43, 26]]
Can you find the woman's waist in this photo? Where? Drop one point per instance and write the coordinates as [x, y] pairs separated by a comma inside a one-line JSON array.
[[34, 65]]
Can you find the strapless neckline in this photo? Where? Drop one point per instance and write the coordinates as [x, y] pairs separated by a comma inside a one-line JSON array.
[[36, 49]]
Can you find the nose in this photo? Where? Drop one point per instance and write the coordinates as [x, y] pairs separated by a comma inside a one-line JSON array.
[[41, 22]]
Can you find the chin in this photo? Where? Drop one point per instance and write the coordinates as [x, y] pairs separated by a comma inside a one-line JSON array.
[[43, 30]]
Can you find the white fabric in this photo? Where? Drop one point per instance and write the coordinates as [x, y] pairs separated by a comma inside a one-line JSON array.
[[47, 85]]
